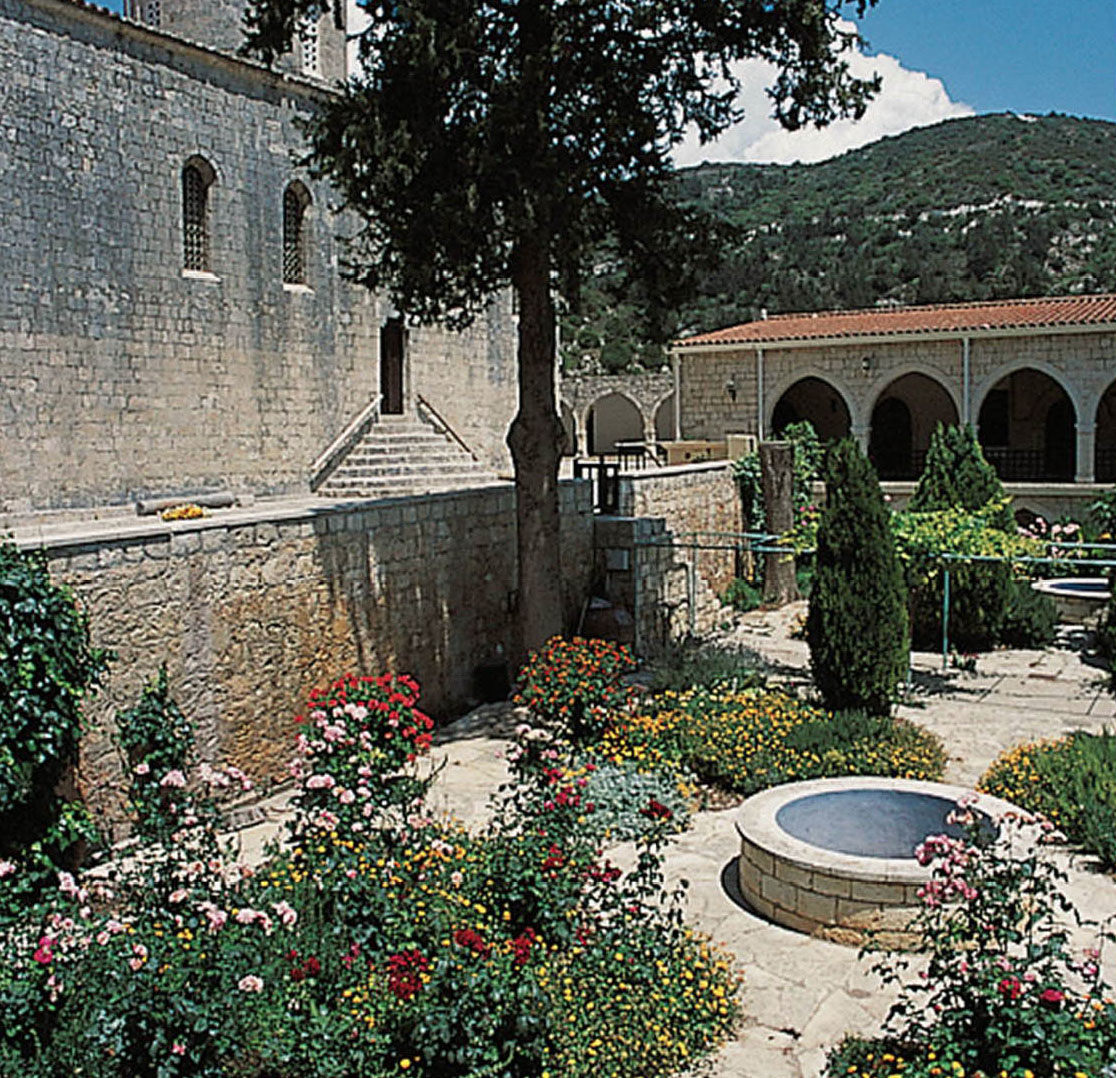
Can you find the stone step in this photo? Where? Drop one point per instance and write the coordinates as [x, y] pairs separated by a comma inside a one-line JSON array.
[[409, 468]]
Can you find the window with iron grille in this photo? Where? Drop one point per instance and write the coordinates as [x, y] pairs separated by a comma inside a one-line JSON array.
[[295, 201], [196, 180], [153, 13]]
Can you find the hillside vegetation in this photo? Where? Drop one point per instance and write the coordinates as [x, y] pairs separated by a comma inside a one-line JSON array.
[[977, 208]]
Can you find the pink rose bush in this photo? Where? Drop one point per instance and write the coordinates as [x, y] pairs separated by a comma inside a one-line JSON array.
[[1000, 989]]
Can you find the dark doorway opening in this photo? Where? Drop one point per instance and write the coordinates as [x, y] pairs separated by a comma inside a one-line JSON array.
[[392, 342]]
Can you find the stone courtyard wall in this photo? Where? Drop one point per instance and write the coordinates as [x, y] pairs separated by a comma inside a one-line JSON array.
[[253, 609], [649, 556]]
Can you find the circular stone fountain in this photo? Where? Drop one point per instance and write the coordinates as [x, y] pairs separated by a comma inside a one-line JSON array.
[[1077, 599], [838, 854]]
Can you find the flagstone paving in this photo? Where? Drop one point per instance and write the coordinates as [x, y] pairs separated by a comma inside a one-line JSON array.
[[800, 994]]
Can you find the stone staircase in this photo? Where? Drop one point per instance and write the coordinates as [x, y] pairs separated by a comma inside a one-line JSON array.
[[401, 456]]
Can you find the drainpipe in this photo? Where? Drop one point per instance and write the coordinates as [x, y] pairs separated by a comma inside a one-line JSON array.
[[966, 402], [759, 394]]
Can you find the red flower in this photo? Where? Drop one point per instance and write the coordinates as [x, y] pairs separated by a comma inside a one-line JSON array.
[[1010, 988], [521, 946], [1051, 997], [471, 940], [405, 972], [656, 810]]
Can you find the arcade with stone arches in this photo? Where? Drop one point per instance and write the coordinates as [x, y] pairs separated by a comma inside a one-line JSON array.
[[1026, 424], [603, 412], [1036, 379]]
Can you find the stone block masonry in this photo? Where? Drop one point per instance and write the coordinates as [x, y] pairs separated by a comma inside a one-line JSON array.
[[252, 609], [124, 375]]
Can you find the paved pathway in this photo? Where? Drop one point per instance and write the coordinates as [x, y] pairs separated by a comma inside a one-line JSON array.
[[801, 994]]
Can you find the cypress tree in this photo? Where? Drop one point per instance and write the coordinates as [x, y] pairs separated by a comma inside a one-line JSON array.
[[857, 624], [956, 475]]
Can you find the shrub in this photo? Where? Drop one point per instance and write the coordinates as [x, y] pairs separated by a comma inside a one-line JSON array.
[[1071, 781], [627, 801], [572, 685], [999, 992], [47, 667], [692, 663], [857, 622], [1031, 619], [360, 733], [744, 742], [956, 476], [156, 740]]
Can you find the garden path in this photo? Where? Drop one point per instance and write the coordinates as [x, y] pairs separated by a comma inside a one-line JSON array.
[[801, 994]]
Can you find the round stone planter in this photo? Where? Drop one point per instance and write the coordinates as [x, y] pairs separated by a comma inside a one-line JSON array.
[[836, 856]]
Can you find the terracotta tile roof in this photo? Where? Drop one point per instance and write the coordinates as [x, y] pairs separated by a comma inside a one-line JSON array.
[[943, 318]]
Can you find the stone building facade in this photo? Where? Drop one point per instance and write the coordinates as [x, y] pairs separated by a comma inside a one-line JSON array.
[[1036, 378], [172, 316]]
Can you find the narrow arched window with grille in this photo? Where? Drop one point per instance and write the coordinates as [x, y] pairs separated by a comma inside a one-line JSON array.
[[296, 200], [197, 178]]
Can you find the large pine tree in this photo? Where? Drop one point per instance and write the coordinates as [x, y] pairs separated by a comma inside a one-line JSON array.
[[488, 143], [857, 622]]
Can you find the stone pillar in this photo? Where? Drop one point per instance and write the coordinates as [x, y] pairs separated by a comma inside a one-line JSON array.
[[777, 466], [1085, 470], [860, 433]]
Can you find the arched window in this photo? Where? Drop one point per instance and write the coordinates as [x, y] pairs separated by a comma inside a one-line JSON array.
[[197, 178], [296, 199]]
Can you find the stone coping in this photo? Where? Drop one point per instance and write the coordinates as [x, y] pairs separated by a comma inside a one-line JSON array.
[[667, 470], [755, 823], [120, 524]]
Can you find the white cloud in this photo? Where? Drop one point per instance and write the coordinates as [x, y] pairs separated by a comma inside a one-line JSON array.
[[906, 99]]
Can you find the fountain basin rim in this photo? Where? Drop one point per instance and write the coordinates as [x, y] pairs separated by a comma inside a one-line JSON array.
[[1061, 587], [756, 824]]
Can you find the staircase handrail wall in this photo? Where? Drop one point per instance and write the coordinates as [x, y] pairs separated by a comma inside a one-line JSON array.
[[448, 429], [331, 456]]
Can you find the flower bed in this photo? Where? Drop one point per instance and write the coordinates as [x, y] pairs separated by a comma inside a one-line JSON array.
[[375, 941], [747, 741], [1071, 781]]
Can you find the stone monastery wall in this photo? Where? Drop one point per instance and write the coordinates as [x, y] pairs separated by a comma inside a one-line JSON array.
[[124, 374]]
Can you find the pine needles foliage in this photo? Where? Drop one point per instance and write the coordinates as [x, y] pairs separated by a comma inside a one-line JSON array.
[[957, 475], [857, 625]]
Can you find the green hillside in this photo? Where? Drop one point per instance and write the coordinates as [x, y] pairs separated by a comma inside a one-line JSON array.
[[976, 208]]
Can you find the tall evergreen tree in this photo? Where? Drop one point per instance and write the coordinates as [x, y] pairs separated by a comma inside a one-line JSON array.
[[956, 475], [857, 622], [488, 143]]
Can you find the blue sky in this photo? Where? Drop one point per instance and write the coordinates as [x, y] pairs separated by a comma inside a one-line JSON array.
[[1007, 55], [945, 58]]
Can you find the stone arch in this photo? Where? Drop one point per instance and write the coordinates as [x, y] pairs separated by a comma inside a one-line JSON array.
[[613, 418], [663, 418], [906, 411], [1105, 452], [569, 429], [1027, 425], [814, 398]]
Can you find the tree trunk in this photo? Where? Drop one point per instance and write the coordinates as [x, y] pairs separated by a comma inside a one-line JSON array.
[[535, 442], [777, 467]]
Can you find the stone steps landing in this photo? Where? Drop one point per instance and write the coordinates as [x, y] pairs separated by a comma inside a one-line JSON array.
[[401, 456]]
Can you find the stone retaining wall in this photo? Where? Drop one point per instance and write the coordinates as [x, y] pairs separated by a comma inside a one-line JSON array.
[[252, 608]]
